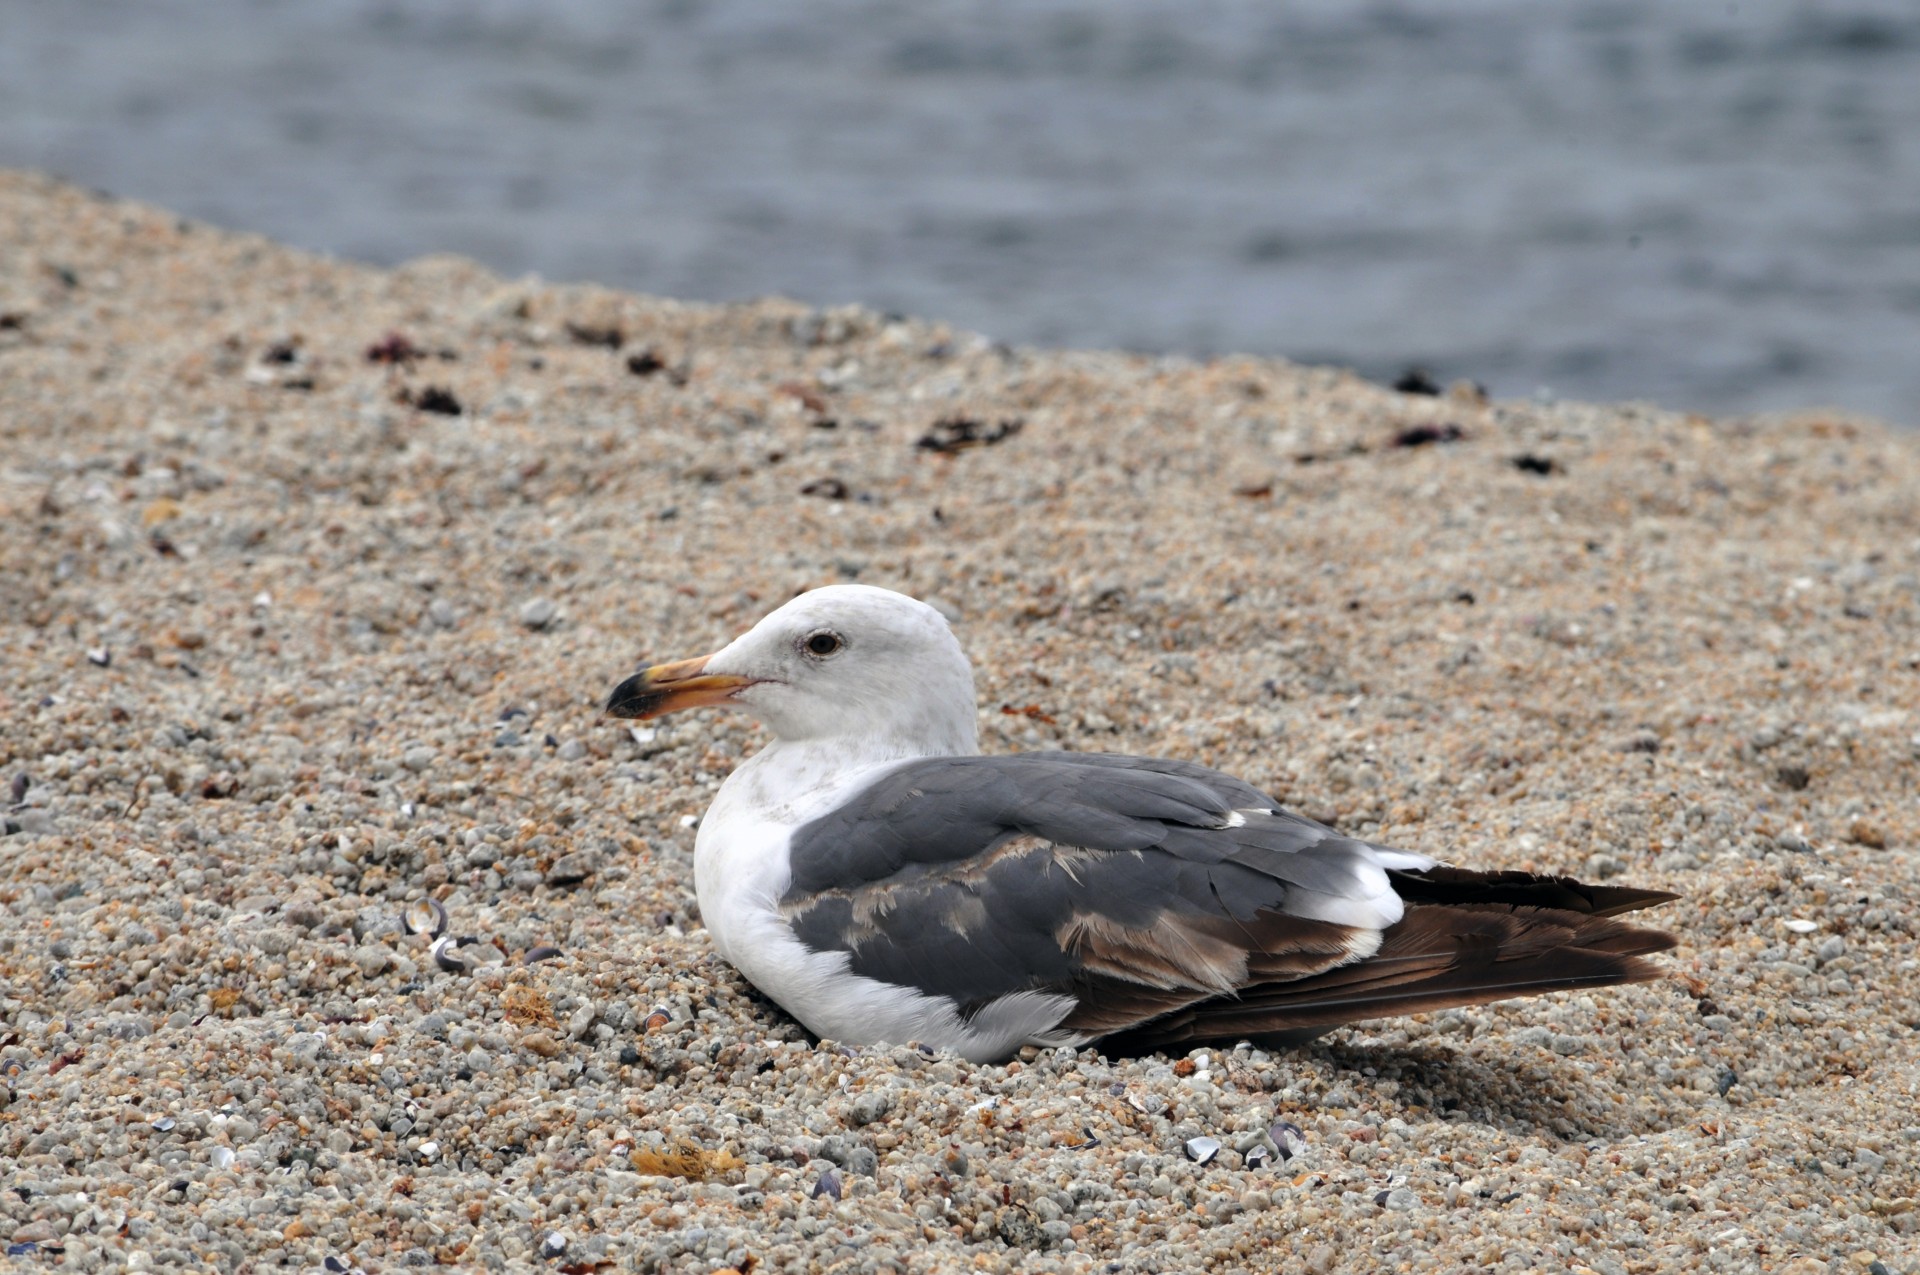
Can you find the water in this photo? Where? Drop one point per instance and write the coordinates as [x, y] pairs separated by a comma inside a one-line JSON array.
[[1709, 205]]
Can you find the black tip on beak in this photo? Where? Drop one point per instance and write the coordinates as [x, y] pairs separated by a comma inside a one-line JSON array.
[[635, 697]]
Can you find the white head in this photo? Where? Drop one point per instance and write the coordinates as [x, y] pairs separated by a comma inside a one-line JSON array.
[[845, 662]]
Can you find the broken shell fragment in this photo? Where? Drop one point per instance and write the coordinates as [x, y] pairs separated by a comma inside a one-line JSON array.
[[659, 1018], [1257, 1157], [827, 1185], [1151, 1104], [465, 954], [1289, 1139], [446, 954], [1201, 1150], [426, 916], [544, 952]]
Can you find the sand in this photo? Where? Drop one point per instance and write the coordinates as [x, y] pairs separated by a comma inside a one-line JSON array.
[[316, 577]]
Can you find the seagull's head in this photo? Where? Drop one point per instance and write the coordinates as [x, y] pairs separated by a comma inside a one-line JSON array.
[[849, 661]]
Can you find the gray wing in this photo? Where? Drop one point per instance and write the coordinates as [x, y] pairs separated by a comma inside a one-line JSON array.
[[1135, 885]]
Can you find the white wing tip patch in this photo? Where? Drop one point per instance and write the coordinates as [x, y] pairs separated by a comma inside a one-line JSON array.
[[1361, 944]]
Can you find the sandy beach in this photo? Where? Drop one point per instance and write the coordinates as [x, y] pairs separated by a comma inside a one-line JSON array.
[[316, 577]]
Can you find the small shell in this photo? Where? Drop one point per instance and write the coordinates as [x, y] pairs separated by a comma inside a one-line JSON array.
[[553, 1244], [163, 1124], [426, 916], [659, 1018], [429, 1150], [534, 955], [1257, 1157], [828, 1184], [1801, 927], [1289, 1139], [222, 1157], [1201, 1150]]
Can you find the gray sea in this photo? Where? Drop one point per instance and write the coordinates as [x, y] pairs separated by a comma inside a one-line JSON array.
[[1710, 205]]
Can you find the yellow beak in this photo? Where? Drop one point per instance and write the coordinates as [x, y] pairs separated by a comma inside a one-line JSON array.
[[668, 688]]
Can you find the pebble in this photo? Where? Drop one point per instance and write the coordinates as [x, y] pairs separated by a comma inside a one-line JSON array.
[[189, 968], [33, 823], [1399, 1200], [538, 613], [572, 869]]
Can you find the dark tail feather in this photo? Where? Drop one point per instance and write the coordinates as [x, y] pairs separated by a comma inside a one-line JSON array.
[[1457, 886], [1436, 957]]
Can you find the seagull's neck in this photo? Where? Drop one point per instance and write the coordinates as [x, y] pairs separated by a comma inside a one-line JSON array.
[[790, 780]]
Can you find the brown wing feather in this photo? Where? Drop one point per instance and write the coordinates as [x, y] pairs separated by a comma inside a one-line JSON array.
[[1436, 957], [1126, 976]]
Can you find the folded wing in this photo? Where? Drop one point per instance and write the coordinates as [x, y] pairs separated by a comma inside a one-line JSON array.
[[1173, 903]]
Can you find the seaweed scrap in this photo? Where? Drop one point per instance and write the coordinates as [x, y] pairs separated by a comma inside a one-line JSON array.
[[956, 434]]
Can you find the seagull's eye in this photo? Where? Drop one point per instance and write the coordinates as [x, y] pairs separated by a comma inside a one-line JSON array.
[[824, 644]]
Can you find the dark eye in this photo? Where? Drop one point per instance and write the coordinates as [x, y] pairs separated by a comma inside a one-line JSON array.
[[824, 643]]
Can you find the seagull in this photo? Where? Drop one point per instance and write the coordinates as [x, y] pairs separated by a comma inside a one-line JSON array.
[[883, 881]]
